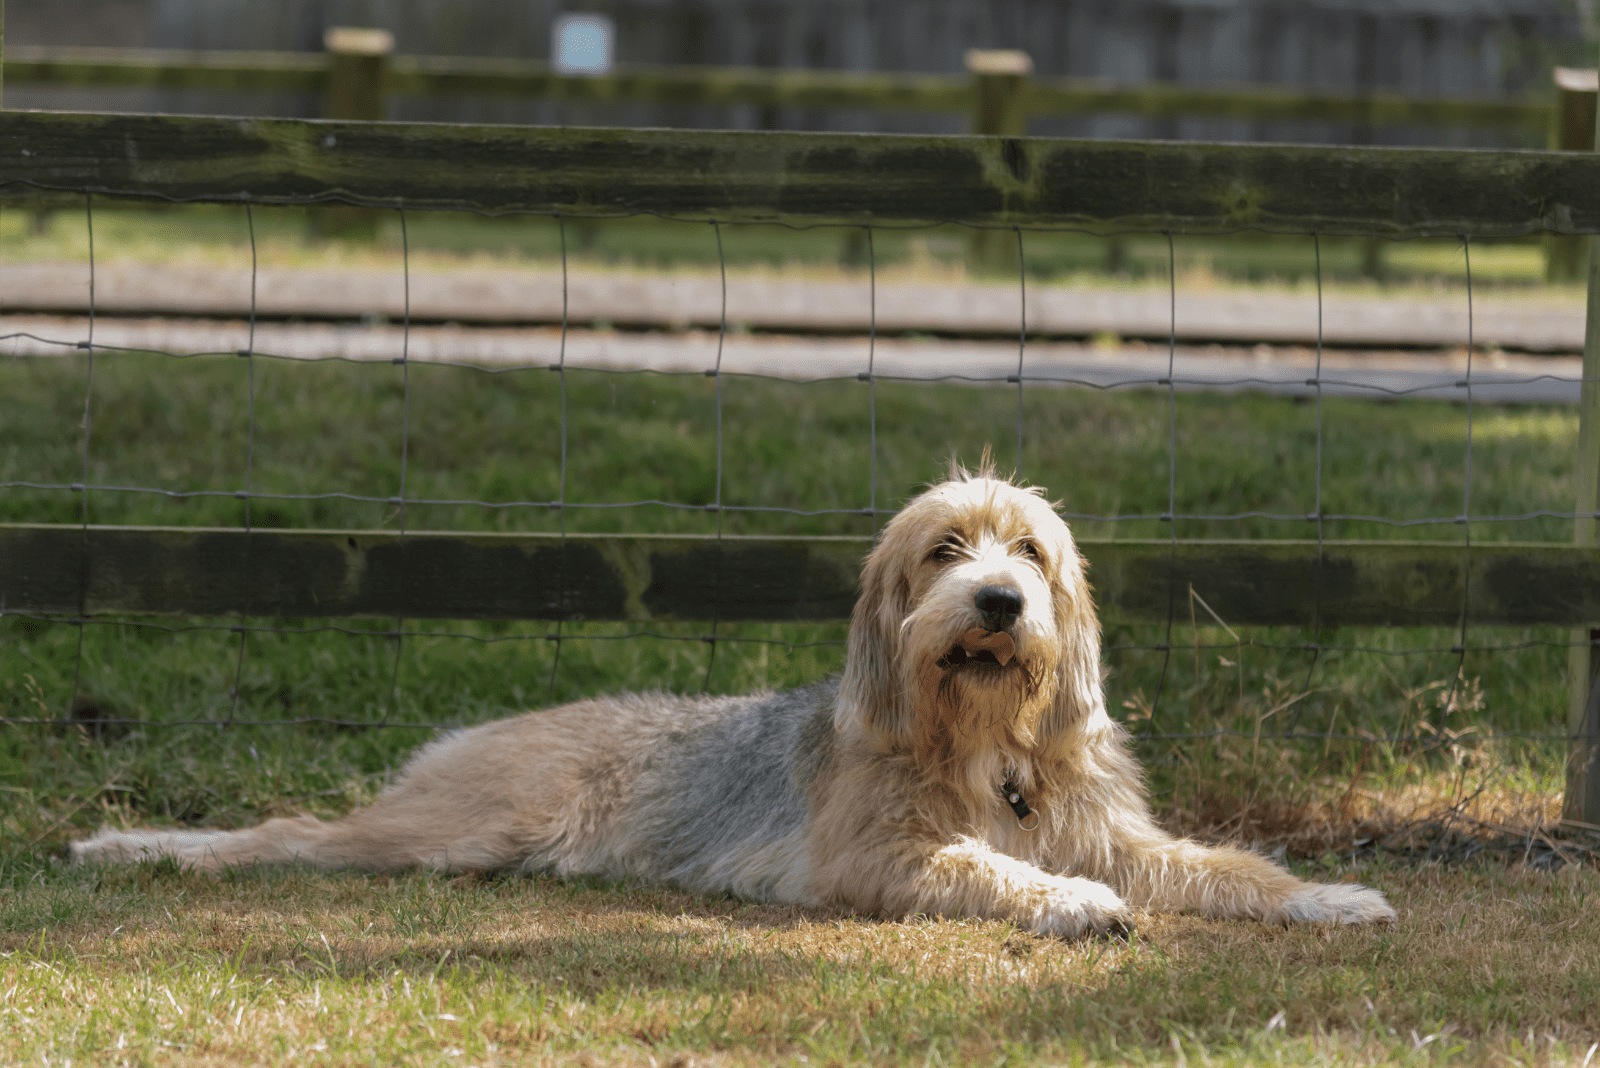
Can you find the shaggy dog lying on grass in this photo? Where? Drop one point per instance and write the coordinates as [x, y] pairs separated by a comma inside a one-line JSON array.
[[962, 765]]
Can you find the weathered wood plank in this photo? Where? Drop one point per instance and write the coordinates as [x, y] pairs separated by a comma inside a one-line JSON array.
[[1266, 103], [681, 85], [491, 76], [880, 178], [138, 68], [183, 571], [1362, 583], [434, 576]]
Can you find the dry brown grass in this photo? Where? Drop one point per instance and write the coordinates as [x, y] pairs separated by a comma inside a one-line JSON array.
[[1396, 814], [157, 966]]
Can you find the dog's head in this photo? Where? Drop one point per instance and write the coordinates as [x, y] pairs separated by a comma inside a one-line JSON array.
[[975, 626]]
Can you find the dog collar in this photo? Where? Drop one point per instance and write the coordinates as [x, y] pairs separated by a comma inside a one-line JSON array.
[[1027, 818]]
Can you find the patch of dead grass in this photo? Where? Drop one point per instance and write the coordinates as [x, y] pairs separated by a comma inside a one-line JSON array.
[[273, 968]]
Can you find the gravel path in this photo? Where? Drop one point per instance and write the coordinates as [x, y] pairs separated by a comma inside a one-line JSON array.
[[1536, 322]]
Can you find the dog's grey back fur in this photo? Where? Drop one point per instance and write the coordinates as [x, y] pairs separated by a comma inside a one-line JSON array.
[[731, 786]]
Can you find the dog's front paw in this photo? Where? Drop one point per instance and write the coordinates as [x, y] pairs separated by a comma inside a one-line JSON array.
[[1078, 907], [1335, 903]]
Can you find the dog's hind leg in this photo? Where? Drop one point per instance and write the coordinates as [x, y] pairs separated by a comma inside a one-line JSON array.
[[383, 837], [276, 841], [438, 815], [530, 791]]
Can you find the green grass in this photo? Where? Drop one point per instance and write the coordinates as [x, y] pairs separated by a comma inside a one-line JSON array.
[[336, 428], [442, 239]]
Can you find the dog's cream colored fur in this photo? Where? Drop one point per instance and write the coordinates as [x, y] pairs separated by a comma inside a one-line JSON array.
[[876, 792]]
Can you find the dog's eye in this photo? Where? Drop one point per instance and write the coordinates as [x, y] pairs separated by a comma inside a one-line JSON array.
[[1030, 549], [945, 551]]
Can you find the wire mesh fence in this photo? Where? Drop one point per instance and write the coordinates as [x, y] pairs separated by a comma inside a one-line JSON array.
[[645, 483]]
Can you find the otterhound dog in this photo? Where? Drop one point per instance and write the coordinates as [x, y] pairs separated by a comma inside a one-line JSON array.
[[962, 765]]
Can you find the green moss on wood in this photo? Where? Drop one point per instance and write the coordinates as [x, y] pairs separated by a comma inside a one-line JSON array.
[[806, 177], [204, 572]]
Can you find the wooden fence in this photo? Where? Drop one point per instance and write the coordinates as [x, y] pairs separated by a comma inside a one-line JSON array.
[[356, 76], [354, 91], [660, 578], [845, 179]]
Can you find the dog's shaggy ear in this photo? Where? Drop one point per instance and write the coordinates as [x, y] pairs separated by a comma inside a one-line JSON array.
[[874, 694], [1079, 690]]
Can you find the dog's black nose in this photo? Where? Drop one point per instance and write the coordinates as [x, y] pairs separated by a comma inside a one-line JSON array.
[[1000, 606]]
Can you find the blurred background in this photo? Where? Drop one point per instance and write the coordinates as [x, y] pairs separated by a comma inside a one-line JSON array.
[[1482, 49]]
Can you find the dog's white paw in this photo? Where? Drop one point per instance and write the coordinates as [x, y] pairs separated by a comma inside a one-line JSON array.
[[1078, 907], [1336, 903]]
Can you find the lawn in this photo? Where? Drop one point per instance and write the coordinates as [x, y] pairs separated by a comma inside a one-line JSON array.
[[150, 966], [442, 240], [1491, 962]]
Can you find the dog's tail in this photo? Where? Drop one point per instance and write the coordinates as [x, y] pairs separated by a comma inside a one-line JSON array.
[[366, 840]]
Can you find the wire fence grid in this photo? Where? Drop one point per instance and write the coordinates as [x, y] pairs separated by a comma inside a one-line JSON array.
[[873, 510]]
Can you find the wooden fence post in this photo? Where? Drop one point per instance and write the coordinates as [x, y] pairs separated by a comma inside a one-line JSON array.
[[1374, 258], [1582, 800], [1572, 129], [358, 63], [41, 216], [1000, 93]]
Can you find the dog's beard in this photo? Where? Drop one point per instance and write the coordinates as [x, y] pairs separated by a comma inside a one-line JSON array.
[[975, 694]]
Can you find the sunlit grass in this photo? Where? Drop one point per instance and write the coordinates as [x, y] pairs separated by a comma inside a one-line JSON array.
[[276, 967], [207, 235], [165, 424]]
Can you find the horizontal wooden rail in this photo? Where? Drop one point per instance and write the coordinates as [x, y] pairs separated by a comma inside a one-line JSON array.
[[141, 68], [808, 177], [1265, 103], [312, 573], [682, 85], [300, 72]]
